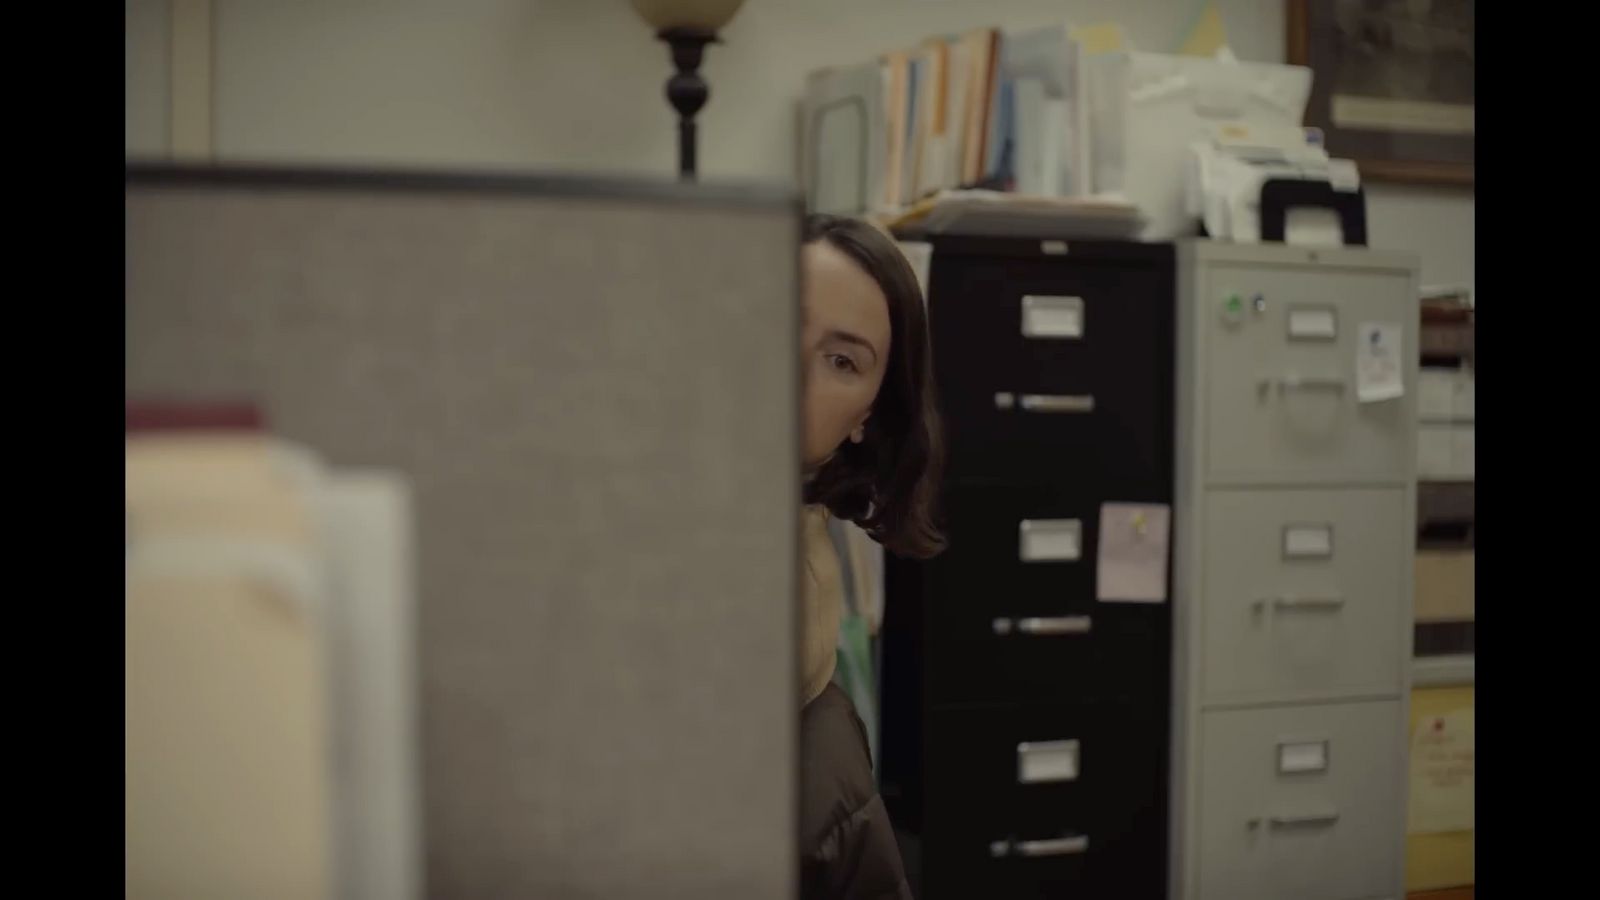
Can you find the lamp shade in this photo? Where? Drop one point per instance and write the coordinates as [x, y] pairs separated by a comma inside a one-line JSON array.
[[697, 15]]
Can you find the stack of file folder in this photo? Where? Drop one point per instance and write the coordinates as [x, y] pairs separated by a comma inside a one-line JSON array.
[[269, 674], [982, 109]]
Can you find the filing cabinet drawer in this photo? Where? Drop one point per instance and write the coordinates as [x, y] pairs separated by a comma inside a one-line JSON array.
[[1048, 801], [1002, 627], [1303, 802], [1282, 394], [1306, 593], [1053, 371]]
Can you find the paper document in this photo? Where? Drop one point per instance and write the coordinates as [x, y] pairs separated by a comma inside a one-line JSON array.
[[1380, 374], [1443, 773], [1132, 566]]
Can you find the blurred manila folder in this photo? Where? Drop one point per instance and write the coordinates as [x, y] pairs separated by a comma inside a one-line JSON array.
[[268, 699]]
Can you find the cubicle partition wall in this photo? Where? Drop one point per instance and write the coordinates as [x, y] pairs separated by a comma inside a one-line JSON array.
[[593, 388]]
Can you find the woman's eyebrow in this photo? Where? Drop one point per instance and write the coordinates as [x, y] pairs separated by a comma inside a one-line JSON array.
[[848, 338]]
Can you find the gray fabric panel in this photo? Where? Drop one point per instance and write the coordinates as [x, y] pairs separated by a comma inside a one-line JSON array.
[[596, 401]]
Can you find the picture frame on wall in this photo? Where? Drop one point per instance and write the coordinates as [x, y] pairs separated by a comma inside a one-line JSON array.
[[1392, 84]]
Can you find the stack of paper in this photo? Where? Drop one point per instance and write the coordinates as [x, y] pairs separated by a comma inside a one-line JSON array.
[[995, 212], [1147, 109], [1229, 166]]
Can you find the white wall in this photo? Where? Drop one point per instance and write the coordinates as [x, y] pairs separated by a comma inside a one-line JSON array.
[[577, 85], [1438, 224]]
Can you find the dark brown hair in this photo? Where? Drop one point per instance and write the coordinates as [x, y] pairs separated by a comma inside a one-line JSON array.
[[888, 484]]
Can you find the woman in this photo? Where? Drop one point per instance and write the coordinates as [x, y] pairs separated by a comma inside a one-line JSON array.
[[872, 454]]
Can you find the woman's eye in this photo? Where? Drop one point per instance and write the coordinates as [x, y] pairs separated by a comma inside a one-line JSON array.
[[841, 362]]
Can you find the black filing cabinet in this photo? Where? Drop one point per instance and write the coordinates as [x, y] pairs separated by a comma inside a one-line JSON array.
[[1025, 720]]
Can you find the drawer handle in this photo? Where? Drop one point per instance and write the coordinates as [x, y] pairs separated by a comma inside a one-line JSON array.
[[1330, 601], [1057, 403], [1044, 625], [1063, 846], [1320, 818], [1045, 403], [1292, 382]]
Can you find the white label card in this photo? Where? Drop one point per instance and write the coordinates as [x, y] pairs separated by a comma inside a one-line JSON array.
[[1047, 761], [1051, 540], [1308, 541], [1313, 324], [1052, 317], [1302, 756]]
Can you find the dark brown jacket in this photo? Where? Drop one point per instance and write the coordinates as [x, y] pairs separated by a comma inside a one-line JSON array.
[[847, 846]]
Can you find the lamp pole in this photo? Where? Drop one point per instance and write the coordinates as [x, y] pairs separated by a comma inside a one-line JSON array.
[[686, 90]]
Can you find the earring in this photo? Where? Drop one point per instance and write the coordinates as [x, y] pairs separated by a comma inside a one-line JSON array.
[[859, 435]]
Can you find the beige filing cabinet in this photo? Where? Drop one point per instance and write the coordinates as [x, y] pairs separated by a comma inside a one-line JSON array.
[[1296, 504]]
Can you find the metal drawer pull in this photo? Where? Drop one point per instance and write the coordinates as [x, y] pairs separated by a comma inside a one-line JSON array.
[[1065, 846], [1331, 601], [1045, 403], [1057, 403], [1303, 383], [1044, 626], [1323, 818]]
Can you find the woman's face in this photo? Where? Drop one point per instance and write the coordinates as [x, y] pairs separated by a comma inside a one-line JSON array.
[[845, 342]]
